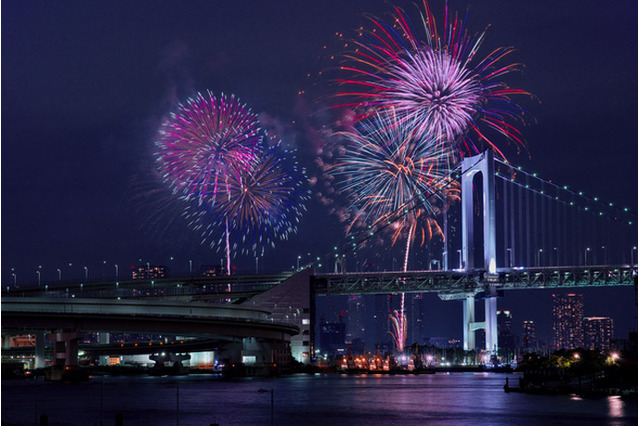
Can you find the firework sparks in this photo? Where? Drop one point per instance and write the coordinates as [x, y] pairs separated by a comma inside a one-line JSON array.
[[434, 83], [263, 204], [204, 145], [205, 142], [399, 333], [391, 173]]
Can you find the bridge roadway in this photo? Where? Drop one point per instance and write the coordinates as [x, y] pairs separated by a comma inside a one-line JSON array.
[[449, 284], [455, 284], [147, 316], [219, 288]]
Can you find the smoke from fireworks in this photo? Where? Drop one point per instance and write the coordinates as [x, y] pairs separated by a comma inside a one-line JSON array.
[[434, 83]]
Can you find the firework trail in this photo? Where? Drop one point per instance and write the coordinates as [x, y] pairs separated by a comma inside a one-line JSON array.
[[204, 145], [260, 206], [388, 168], [435, 83]]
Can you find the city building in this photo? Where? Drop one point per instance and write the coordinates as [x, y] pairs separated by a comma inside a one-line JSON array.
[[567, 311], [598, 333], [415, 318], [506, 338], [145, 272], [331, 336], [355, 318], [529, 342]]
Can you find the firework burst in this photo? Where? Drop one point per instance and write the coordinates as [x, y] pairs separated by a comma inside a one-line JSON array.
[[205, 143], [392, 174], [389, 172], [434, 83], [260, 206]]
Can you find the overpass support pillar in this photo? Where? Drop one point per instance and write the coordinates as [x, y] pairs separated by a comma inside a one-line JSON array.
[[6, 341], [231, 352], [66, 348], [103, 339], [40, 344]]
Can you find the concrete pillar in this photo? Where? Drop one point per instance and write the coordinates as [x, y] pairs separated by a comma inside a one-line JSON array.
[[66, 348], [40, 345], [103, 339], [468, 318], [6, 341], [491, 325]]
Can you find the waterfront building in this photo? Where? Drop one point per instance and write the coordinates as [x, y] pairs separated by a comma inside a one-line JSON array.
[[598, 333], [568, 311]]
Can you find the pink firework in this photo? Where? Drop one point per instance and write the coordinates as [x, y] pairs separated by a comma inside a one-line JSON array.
[[204, 143], [436, 83], [399, 324]]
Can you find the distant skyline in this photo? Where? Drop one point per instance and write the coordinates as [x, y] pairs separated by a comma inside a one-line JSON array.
[[85, 87]]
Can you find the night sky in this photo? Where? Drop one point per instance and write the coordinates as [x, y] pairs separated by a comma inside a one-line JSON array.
[[85, 86]]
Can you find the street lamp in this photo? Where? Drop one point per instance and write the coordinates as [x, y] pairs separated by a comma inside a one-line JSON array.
[[632, 250], [555, 249], [38, 272], [59, 274], [459, 259], [14, 278], [604, 258], [298, 263], [587, 250], [509, 254], [190, 266], [539, 253], [86, 273], [116, 272]]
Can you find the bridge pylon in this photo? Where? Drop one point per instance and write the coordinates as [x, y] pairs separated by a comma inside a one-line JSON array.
[[483, 164]]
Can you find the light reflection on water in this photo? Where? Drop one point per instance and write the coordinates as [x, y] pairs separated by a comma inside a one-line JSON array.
[[440, 399]]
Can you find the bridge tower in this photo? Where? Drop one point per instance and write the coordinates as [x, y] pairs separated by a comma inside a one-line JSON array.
[[483, 164]]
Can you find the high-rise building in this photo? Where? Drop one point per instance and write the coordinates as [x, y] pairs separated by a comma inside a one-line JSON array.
[[529, 342], [598, 333], [506, 338], [415, 318], [355, 318], [568, 311], [331, 336]]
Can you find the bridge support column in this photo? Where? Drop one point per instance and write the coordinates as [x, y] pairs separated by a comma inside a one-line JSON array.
[[491, 325], [468, 318], [40, 344], [103, 339], [66, 348], [6, 341]]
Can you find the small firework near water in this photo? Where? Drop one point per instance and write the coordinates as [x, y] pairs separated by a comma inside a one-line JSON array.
[[262, 204], [435, 82], [204, 144]]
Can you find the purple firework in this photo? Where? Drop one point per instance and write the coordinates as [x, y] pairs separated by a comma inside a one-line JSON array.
[[205, 143], [436, 84], [262, 205]]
